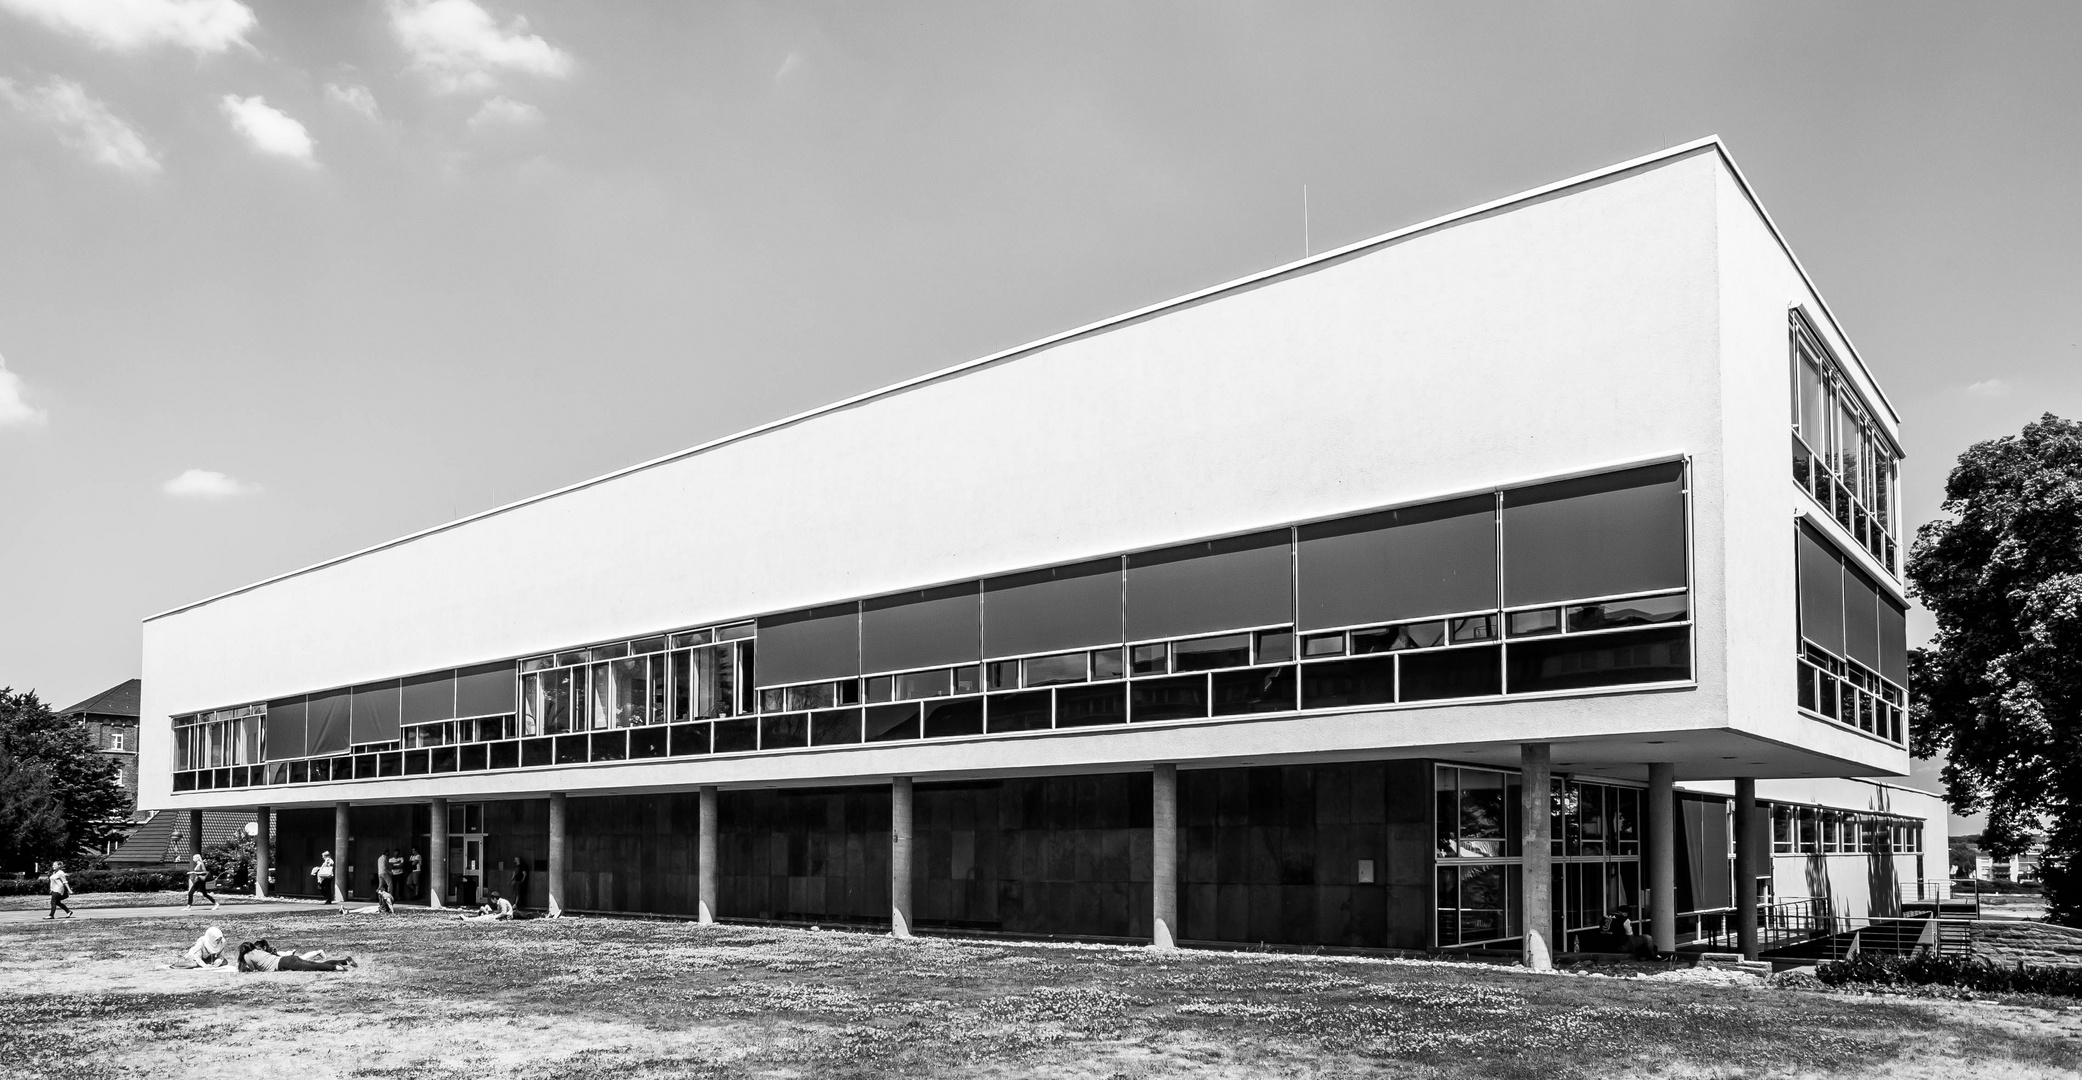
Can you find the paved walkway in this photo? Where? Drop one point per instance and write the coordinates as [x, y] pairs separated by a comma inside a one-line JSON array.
[[159, 911]]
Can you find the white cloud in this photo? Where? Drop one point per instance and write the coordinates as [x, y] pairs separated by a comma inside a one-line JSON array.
[[206, 484], [354, 97], [788, 66], [82, 123], [461, 47], [1989, 388], [14, 410], [505, 112], [270, 130], [204, 26]]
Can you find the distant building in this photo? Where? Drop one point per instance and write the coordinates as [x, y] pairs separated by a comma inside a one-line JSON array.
[[111, 718], [2023, 866]]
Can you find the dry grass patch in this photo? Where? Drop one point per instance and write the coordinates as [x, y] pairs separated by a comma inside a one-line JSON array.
[[628, 1000]]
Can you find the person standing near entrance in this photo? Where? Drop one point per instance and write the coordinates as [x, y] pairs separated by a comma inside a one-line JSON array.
[[412, 875], [323, 874], [199, 881], [395, 863], [60, 889], [520, 880]]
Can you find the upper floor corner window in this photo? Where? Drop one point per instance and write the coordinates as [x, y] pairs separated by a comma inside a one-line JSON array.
[[1839, 454], [115, 741]]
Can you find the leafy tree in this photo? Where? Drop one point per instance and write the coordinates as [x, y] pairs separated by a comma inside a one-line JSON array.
[[2000, 689], [32, 826], [230, 863], [1963, 852], [86, 787]]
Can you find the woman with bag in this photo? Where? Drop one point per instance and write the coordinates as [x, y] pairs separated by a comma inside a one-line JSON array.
[[323, 874]]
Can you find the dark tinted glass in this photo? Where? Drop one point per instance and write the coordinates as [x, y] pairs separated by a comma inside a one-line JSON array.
[[538, 752], [1616, 532], [374, 714], [429, 697], [1047, 610], [1399, 564], [1821, 592], [834, 728], [1150, 659], [881, 688], [1254, 690], [610, 746], [1646, 611], [1534, 623], [734, 736], [1216, 585], [1019, 712], [920, 629], [886, 723], [689, 739], [647, 742], [484, 690], [821, 643], [1169, 699], [1472, 629], [1637, 656], [960, 716], [1050, 670], [474, 758], [822, 695], [1107, 664], [1086, 706], [1206, 654], [925, 684], [1324, 645], [572, 749], [285, 729], [1452, 673], [968, 679], [1275, 646], [1861, 618], [1893, 644], [1341, 683], [784, 730]]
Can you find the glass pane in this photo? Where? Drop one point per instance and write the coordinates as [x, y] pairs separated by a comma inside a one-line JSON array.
[[1603, 535], [632, 692], [968, 679], [682, 687], [953, 717], [1107, 664], [1323, 645], [1020, 712], [1449, 905], [1253, 690], [773, 701], [1893, 646], [1004, 675], [1399, 564], [920, 629], [1150, 659], [1341, 683], [1216, 585], [1083, 706], [1046, 610], [1275, 646], [1051, 670], [1424, 635], [1206, 654], [881, 688], [1482, 902], [891, 722], [820, 643], [1482, 815], [813, 696], [1645, 611], [1861, 623], [1473, 628], [1638, 656], [1451, 673], [1445, 788], [1821, 591], [1533, 623], [556, 701], [600, 699], [925, 684], [691, 637], [1169, 699]]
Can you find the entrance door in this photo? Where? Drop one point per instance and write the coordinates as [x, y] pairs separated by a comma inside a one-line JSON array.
[[465, 854]]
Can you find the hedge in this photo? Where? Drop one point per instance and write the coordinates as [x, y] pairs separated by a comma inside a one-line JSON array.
[[88, 881], [1968, 973]]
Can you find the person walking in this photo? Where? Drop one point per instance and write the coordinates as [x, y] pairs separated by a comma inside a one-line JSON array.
[[199, 881], [323, 874], [61, 888]]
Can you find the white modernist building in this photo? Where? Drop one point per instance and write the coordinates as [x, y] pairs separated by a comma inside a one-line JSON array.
[[1495, 566]]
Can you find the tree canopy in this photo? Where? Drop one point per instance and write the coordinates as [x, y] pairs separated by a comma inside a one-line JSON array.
[[62, 781], [1999, 690]]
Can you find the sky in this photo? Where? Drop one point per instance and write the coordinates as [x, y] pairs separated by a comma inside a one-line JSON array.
[[282, 280]]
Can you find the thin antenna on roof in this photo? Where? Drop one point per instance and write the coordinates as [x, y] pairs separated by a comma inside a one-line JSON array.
[[1304, 221]]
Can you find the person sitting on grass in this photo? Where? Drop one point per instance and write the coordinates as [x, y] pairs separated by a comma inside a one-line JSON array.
[[496, 909], [260, 956], [207, 952]]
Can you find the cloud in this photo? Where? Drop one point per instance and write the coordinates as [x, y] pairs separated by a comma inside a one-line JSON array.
[[354, 97], [14, 411], [788, 66], [82, 123], [203, 26], [505, 112], [205, 484], [461, 47], [270, 130], [1989, 388]]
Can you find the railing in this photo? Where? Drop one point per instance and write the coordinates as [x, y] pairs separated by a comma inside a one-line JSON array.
[[1809, 928]]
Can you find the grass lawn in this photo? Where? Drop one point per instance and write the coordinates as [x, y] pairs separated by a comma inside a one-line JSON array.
[[581, 998]]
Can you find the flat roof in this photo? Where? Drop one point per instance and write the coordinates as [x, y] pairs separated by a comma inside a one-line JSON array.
[[1712, 142]]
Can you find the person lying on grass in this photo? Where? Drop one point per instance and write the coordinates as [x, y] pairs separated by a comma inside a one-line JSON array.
[[496, 909], [207, 952], [260, 956]]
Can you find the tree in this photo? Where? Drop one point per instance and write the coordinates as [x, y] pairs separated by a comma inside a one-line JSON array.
[[1999, 690], [32, 827], [230, 862], [1964, 852], [86, 787]]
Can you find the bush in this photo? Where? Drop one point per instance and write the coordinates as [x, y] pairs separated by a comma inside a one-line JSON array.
[[1964, 972], [86, 881]]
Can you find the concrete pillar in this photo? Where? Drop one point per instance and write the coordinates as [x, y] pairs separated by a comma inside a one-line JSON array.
[[559, 852], [263, 849], [900, 856], [1662, 857], [705, 886], [1746, 866], [1163, 871], [437, 854], [194, 832], [1536, 765], [340, 853]]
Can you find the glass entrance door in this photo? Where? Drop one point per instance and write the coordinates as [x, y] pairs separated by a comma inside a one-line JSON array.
[[465, 854]]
